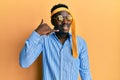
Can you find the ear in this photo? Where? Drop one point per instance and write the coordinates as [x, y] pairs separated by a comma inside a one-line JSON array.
[[52, 21]]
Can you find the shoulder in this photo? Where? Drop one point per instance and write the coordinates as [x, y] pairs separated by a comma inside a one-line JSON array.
[[80, 39], [82, 44]]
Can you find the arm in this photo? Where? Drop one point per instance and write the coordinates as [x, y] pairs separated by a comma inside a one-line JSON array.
[[31, 50], [84, 63], [34, 45]]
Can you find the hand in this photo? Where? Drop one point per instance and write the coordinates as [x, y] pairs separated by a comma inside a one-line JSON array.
[[44, 29]]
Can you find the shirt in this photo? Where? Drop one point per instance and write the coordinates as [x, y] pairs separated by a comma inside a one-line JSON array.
[[58, 62]]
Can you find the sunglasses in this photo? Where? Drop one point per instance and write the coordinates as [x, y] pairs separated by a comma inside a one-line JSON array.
[[60, 18]]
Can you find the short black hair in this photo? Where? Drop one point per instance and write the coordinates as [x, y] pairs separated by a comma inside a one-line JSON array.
[[57, 6]]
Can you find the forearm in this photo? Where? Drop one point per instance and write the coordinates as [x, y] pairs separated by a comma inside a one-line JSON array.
[[84, 63], [31, 50]]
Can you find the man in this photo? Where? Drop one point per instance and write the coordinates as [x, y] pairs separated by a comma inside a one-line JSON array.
[[64, 54]]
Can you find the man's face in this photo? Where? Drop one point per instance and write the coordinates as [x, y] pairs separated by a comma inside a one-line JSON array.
[[62, 21]]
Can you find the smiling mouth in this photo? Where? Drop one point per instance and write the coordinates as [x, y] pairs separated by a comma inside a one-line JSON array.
[[65, 27]]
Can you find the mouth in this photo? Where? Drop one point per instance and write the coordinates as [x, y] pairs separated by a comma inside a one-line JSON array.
[[65, 28]]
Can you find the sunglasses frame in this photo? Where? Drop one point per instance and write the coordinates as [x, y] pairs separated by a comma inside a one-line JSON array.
[[60, 18]]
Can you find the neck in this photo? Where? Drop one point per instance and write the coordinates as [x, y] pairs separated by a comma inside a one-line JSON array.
[[62, 37]]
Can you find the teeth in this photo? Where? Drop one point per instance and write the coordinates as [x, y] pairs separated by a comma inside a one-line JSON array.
[[65, 27]]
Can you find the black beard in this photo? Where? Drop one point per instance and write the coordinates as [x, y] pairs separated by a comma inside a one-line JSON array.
[[62, 33]]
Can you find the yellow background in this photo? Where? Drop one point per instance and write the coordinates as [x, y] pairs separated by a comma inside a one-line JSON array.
[[97, 21]]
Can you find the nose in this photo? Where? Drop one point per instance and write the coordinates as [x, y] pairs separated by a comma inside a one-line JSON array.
[[64, 20]]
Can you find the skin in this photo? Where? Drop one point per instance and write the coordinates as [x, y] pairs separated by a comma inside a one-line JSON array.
[[61, 29]]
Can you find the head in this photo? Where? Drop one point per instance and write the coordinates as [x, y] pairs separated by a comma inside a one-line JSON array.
[[61, 19]]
